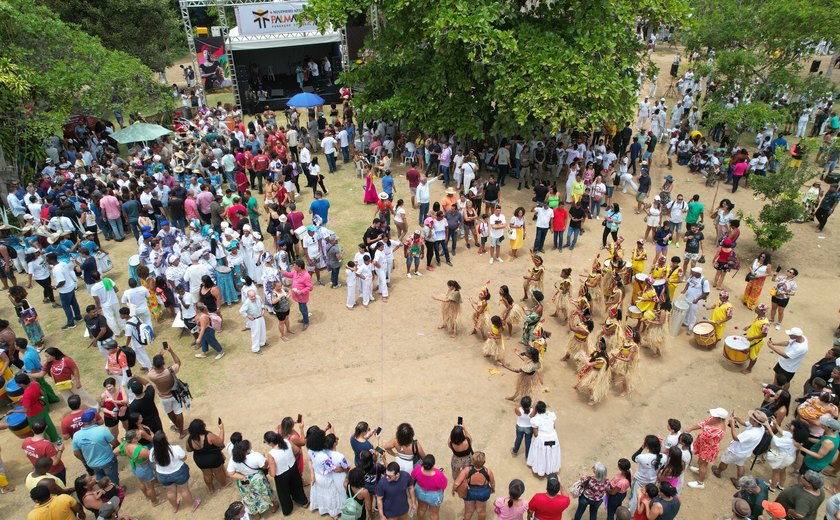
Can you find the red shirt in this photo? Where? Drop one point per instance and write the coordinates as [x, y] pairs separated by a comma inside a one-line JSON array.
[[62, 370], [560, 216], [261, 163], [72, 423], [413, 177], [241, 182], [34, 450], [31, 400], [234, 218], [546, 508]]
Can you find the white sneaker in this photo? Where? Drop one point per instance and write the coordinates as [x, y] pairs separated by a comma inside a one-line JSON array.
[[778, 326], [697, 485], [220, 355], [418, 273], [500, 260], [694, 469], [491, 260], [408, 275], [597, 218]]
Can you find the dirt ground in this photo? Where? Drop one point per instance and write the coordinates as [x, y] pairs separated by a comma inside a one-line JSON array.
[[391, 364]]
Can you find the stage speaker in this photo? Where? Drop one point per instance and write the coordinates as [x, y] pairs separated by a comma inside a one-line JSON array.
[[675, 69], [356, 40], [815, 66]]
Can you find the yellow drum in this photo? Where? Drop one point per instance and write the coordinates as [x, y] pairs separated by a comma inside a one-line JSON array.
[[704, 334], [736, 349], [636, 313], [639, 283]]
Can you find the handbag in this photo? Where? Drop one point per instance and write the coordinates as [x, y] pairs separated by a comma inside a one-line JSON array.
[[750, 277], [512, 234], [577, 489], [29, 316]]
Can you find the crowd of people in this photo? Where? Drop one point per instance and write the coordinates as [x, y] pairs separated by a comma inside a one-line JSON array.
[[214, 212]]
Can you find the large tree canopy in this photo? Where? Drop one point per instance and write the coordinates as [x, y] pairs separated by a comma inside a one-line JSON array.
[[146, 29], [495, 65], [50, 70]]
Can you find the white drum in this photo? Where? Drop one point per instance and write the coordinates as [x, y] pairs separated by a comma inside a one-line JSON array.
[[103, 262]]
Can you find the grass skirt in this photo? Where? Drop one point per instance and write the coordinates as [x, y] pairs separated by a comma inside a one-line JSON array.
[[596, 383]]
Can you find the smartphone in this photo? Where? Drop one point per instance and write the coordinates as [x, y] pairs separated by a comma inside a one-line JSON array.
[[378, 430], [165, 345], [220, 421], [380, 450], [300, 418], [460, 420], [778, 269]]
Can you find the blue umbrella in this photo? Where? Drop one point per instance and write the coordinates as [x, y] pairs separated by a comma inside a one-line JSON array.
[[305, 100]]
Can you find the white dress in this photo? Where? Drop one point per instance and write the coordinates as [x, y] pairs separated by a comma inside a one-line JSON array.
[[544, 457], [652, 220], [327, 493]]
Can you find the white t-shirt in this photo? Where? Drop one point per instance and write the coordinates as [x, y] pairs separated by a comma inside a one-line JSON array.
[[253, 462], [283, 459], [188, 307], [328, 144], [439, 229], [796, 353], [342, 138], [65, 273], [311, 245], [495, 220], [785, 443], [747, 441], [598, 191], [671, 440], [136, 296], [399, 215], [38, 268], [543, 217], [176, 460], [678, 210], [106, 298], [305, 156], [646, 473]]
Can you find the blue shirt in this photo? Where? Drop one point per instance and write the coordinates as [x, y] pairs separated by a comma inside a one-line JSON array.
[[90, 245], [31, 360], [321, 207], [644, 184], [94, 443], [388, 184], [359, 447], [635, 149], [660, 235]]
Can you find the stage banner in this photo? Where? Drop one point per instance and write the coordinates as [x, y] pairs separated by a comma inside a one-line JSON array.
[[271, 18], [212, 63]]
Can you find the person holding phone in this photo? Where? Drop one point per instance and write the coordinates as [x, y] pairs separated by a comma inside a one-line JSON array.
[[360, 441], [460, 442]]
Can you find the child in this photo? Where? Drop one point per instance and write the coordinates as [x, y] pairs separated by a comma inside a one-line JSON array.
[[495, 344], [674, 432], [365, 272], [534, 278], [483, 232], [350, 274]]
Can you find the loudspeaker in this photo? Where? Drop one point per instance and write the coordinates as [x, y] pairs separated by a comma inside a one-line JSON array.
[[675, 68], [815, 66], [356, 40]]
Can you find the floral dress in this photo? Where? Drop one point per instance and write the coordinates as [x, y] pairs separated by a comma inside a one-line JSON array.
[[707, 444]]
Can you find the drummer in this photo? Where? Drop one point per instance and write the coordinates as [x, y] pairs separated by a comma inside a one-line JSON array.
[[639, 257], [674, 275], [647, 300], [757, 334], [696, 289], [721, 313], [616, 253], [659, 270]]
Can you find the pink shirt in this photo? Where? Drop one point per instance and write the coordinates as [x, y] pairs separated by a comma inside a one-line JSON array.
[[503, 512], [110, 206], [204, 199], [296, 218], [436, 482], [302, 281], [740, 169], [191, 208]]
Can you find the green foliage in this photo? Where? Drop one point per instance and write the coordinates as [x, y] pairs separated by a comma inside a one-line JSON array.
[[744, 116], [50, 70], [781, 191], [492, 65], [146, 29]]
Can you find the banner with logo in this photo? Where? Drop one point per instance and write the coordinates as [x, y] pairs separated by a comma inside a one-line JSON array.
[[213, 65], [271, 18]]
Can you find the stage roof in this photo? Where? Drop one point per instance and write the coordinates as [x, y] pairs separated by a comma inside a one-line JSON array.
[[273, 41]]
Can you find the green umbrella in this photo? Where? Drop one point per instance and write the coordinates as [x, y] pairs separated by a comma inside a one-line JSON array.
[[140, 132]]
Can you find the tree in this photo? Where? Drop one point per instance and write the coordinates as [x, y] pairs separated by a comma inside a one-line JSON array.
[[50, 70], [759, 49], [146, 29], [489, 66]]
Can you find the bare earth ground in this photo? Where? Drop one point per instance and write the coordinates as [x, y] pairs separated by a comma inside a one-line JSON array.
[[391, 364]]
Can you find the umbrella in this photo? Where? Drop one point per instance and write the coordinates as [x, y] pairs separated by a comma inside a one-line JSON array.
[[305, 100], [140, 132]]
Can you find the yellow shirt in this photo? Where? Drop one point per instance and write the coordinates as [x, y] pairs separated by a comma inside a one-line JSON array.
[[673, 280], [56, 508], [639, 259], [658, 273], [719, 314], [756, 329], [645, 301]]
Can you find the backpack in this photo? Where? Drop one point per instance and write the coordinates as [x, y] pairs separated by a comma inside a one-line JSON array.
[[180, 390], [215, 321], [130, 356], [350, 509], [144, 334], [282, 306]]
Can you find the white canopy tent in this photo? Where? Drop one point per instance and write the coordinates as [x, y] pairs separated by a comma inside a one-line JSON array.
[[273, 41]]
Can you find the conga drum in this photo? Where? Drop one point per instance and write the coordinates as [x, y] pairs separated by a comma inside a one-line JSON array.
[[133, 264], [704, 334], [634, 312], [736, 349], [660, 286], [679, 309], [13, 391], [627, 273], [103, 262], [18, 424], [639, 282], [609, 271]]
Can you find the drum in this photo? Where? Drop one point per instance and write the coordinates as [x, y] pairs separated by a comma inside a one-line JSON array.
[[679, 309], [736, 349], [634, 312], [133, 264], [13, 391], [18, 424], [660, 286], [704, 334], [639, 283], [627, 273], [300, 232], [608, 269], [103, 262]]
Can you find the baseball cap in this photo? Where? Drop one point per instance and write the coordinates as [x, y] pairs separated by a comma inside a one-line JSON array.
[[110, 507], [830, 422], [720, 413], [88, 416], [774, 509], [795, 331]]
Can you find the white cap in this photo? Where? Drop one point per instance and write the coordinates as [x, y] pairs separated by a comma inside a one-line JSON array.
[[795, 331], [698, 270], [720, 413], [656, 198]]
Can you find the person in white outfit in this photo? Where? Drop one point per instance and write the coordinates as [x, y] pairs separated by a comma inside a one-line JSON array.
[[696, 290], [253, 311], [364, 271], [136, 337], [544, 455], [380, 265], [644, 112], [350, 276], [105, 297], [802, 123], [136, 297]]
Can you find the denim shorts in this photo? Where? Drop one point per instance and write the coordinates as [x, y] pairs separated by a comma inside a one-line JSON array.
[[179, 478], [433, 498], [145, 471]]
